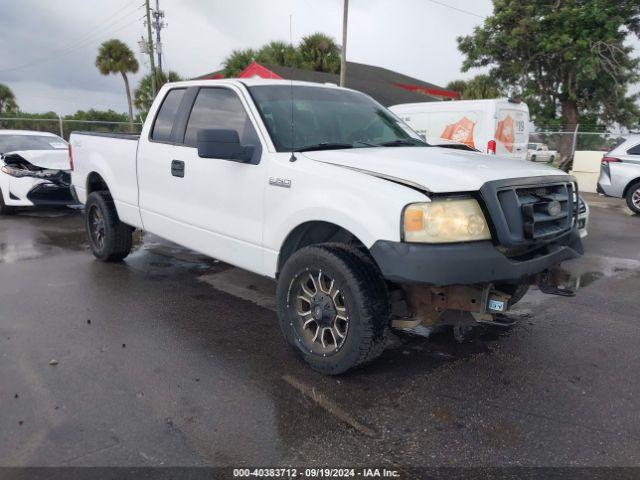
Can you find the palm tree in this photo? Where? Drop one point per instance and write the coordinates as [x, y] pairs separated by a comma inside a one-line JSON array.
[[320, 52], [477, 88], [482, 86], [279, 53], [7, 100], [457, 86], [115, 56], [238, 61], [143, 95]]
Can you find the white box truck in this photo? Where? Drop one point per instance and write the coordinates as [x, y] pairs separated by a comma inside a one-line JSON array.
[[499, 126]]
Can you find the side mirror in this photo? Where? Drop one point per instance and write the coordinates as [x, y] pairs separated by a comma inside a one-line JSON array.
[[222, 143]]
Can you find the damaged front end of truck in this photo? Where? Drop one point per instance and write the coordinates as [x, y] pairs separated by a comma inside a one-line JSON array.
[[533, 225]]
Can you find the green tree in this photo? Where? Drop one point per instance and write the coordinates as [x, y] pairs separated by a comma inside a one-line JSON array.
[[457, 86], [279, 53], [238, 61], [115, 56], [319, 52], [77, 121], [143, 94], [7, 100], [482, 86], [566, 58], [478, 88]]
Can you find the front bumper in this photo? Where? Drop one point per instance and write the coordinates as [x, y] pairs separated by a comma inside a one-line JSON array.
[[466, 263], [50, 194]]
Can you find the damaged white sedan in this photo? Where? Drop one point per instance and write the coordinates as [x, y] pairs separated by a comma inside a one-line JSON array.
[[34, 170]]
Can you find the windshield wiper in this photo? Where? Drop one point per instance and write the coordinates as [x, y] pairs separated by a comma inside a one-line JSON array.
[[402, 143], [324, 146]]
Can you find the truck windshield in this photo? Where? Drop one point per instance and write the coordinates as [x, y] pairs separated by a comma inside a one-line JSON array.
[[303, 118]]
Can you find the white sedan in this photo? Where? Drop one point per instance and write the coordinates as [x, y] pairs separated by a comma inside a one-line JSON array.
[[34, 170]]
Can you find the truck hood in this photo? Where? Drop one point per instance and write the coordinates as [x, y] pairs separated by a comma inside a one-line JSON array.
[[47, 159], [438, 170]]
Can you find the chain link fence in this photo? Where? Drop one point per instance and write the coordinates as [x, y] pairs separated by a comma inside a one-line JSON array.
[[592, 141], [64, 127]]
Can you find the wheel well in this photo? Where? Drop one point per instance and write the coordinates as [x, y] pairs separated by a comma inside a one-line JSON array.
[[313, 233], [629, 185], [95, 183]]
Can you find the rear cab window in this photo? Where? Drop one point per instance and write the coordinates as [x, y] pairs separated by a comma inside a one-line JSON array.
[[167, 113]]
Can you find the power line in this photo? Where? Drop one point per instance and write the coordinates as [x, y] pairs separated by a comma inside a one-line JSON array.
[[80, 41], [442, 4]]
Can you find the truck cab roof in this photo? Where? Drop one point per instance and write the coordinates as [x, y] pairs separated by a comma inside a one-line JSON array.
[[250, 82]]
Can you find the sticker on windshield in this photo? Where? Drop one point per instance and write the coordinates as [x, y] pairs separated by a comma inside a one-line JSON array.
[[58, 144]]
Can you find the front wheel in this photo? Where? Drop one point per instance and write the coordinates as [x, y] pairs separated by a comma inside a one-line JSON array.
[[332, 307], [110, 239], [633, 198]]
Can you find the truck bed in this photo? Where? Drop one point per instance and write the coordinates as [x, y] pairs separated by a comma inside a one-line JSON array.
[[113, 155]]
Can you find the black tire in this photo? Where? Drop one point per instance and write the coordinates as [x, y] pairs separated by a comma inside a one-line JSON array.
[[633, 190], [5, 209], [533, 158], [552, 159], [364, 296], [115, 242]]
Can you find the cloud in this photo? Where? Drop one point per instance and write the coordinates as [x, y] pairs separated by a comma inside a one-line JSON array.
[[55, 43]]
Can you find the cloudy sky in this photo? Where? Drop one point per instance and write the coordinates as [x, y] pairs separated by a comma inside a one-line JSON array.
[[48, 52]]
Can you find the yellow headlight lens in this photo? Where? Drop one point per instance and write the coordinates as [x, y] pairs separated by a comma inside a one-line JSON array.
[[445, 220]]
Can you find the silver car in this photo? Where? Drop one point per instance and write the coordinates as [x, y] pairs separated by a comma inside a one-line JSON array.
[[620, 172]]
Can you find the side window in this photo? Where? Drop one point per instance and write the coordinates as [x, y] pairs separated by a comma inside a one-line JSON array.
[[166, 115], [219, 108], [634, 150]]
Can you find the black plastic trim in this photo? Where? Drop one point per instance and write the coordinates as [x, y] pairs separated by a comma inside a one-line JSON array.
[[49, 194], [499, 225], [465, 263]]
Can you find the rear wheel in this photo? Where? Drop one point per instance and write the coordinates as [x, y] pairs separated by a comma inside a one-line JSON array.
[[4, 208], [332, 307], [633, 198], [110, 239]]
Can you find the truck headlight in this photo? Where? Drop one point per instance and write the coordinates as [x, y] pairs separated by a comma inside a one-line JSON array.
[[445, 220]]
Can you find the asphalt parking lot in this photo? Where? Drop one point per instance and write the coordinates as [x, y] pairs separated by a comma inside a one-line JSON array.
[[171, 358]]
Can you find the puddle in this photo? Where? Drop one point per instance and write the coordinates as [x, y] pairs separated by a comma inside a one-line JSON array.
[[588, 278], [28, 250], [67, 239]]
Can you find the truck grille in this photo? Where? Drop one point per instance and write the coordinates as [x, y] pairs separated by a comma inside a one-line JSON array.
[[525, 214]]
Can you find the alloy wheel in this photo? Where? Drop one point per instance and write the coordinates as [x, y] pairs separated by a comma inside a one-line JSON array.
[[96, 227], [635, 198], [321, 321]]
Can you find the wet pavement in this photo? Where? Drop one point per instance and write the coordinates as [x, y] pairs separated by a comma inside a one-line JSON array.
[[171, 358]]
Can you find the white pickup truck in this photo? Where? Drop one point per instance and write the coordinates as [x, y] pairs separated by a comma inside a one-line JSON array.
[[364, 225]]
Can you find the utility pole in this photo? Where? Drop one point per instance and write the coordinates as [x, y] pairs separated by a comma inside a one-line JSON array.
[[154, 76], [158, 25], [343, 56]]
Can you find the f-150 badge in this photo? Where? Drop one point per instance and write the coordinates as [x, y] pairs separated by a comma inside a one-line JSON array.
[[280, 182]]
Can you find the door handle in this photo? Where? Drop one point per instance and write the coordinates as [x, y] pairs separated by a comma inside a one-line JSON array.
[[177, 168]]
